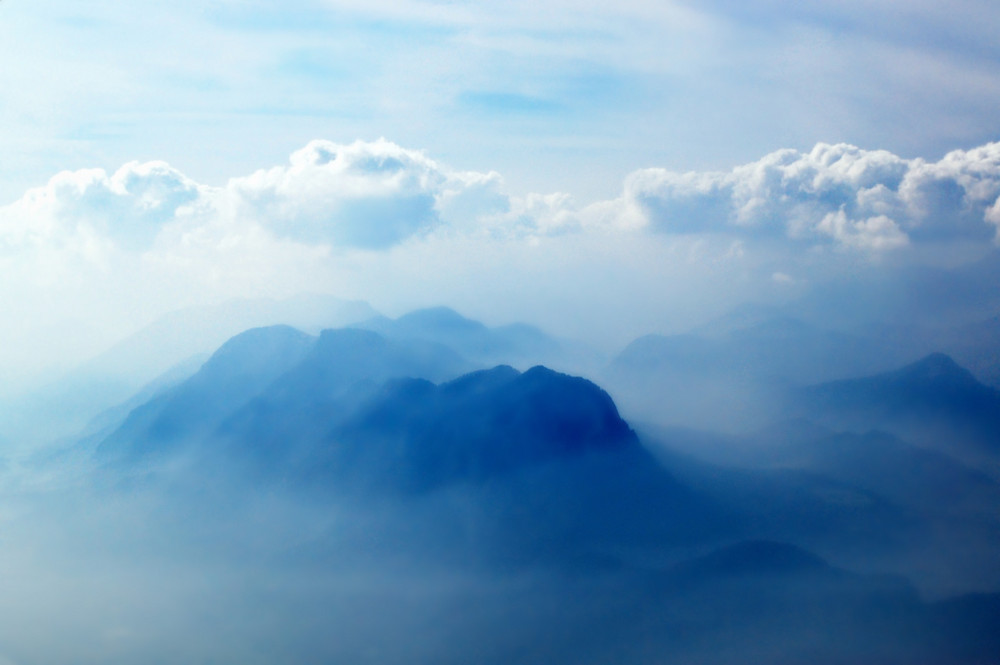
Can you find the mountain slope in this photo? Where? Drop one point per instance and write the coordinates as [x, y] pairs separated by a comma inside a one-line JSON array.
[[341, 370], [933, 402], [237, 371], [512, 344], [736, 379], [484, 424]]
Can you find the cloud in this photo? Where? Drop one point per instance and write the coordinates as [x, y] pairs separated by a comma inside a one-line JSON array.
[[368, 195], [373, 220], [875, 233], [377, 195], [869, 200], [365, 195], [131, 206]]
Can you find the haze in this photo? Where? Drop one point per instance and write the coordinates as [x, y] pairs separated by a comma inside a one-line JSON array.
[[417, 331]]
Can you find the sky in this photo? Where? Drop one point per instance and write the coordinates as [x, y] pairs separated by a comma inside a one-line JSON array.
[[601, 169]]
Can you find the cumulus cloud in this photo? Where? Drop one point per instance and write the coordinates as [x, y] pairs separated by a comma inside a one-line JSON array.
[[875, 233], [131, 205], [105, 252], [369, 195], [864, 199], [377, 195]]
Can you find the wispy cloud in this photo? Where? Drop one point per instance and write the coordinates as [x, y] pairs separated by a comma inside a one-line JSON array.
[[595, 89]]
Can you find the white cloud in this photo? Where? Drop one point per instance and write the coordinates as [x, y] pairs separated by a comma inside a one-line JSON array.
[[369, 195], [100, 253], [874, 234], [377, 195], [130, 206], [870, 200]]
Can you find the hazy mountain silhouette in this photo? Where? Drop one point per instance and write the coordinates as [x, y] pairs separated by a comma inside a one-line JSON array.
[[340, 371], [487, 423], [544, 462], [880, 462], [510, 344], [976, 346], [914, 510], [398, 460], [240, 369], [181, 334], [933, 402], [780, 349], [735, 378], [177, 339]]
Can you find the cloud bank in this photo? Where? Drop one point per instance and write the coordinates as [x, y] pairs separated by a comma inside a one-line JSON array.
[[376, 195], [838, 194], [374, 220]]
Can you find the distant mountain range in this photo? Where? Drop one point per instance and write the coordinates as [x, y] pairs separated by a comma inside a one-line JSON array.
[[735, 375], [279, 369], [160, 354], [933, 402], [423, 456], [515, 344]]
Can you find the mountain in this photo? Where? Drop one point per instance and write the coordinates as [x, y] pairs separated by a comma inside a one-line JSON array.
[[180, 338], [933, 402], [544, 457], [779, 349], [342, 369], [735, 378], [277, 370], [486, 423], [237, 371], [518, 343], [371, 485], [545, 465], [976, 346], [873, 461], [181, 334], [917, 511]]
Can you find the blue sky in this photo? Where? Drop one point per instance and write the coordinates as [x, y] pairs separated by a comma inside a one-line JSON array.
[[612, 167], [555, 95]]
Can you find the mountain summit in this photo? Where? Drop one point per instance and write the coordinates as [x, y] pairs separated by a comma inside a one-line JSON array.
[[933, 402]]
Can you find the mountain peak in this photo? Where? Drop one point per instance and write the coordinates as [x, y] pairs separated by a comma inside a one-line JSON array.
[[939, 372], [438, 317], [260, 343], [336, 337], [937, 366], [485, 424]]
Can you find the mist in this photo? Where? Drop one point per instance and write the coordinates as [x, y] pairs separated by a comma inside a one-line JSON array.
[[424, 488], [502, 387]]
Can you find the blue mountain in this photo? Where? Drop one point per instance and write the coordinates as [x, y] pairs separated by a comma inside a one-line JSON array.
[[735, 379], [516, 343], [237, 371], [560, 531], [341, 370], [277, 369], [482, 425], [933, 402]]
